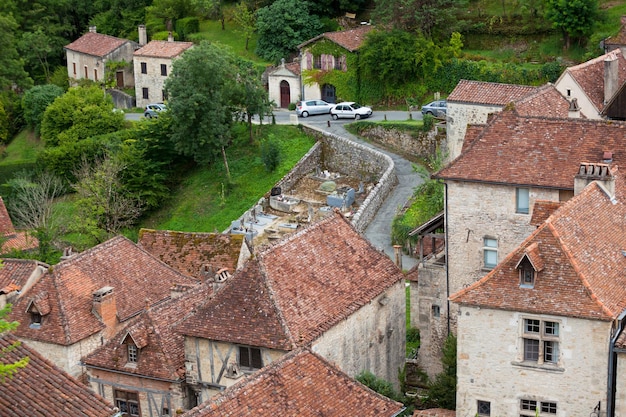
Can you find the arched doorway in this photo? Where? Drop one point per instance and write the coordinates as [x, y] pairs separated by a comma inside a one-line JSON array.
[[328, 93], [285, 94]]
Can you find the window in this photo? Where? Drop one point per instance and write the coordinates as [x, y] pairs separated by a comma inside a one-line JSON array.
[[338, 65], [483, 408], [569, 93], [317, 62], [164, 70], [133, 353], [490, 252], [541, 341], [127, 403], [436, 311], [164, 95], [532, 408], [250, 358], [144, 68], [86, 72], [35, 319], [522, 200], [74, 67], [144, 92], [95, 74], [526, 274]]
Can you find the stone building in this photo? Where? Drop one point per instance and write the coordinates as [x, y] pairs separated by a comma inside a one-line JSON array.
[[284, 84], [537, 335], [152, 65], [88, 56]]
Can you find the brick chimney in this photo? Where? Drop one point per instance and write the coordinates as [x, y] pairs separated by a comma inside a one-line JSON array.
[[600, 172], [143, 35], [105, 308], [611, 76], [92, 29], [574, 109]]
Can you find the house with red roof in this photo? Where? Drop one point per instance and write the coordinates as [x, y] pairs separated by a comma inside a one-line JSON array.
[[72, 308], [300, 383], [152, 65], [324, 288], [87, 58], [10, 239], [542, 333], [41, 389]]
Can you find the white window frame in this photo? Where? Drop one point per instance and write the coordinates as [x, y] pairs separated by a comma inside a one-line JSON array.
[[534, 408], [522, 200], [526, 280], [133, 353], [543, 334], [490, 248]]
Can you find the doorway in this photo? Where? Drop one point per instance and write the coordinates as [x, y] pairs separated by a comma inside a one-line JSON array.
[[285, 94]]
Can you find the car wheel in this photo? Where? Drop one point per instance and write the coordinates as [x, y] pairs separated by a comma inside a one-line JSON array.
[[335, 117], [148, 116], [357, 116], [429, 112], [305, 114]]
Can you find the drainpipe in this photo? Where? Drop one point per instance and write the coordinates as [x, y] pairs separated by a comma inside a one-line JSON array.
[[612, 374], [445, 186]]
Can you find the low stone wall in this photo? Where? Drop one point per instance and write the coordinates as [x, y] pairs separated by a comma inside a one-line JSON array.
[[417, 144], [121, 100]]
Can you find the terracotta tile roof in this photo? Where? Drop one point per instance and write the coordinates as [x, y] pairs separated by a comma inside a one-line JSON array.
[[6, 225], [163, 49], [434, 412], [542, 210], [590, 76], [193, 253], [620, 343], [581, 246], [535, 151], [18, 271], [544, 101], [467, 91], [293, 67], [619, 39], [351, 39], [297, 289], [96, 44], [303, 384], [162, 352], [43, 390], [137, 278], [19, 241]]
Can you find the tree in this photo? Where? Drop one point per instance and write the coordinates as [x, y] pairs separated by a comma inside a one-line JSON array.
[[35, 102], [202, 87], [283, 26], [7, 370], [430, 17], [12, 73], [4, 125], [246, 21], [170, 10], [211, 9], [250, 97], [575, 18], [80, 113], [36, 47]]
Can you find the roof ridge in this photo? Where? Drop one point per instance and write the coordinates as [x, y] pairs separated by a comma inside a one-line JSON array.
[[595, 60]]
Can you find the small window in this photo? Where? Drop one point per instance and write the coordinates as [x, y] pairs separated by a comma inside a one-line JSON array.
[[490, 252], [338, 65], [317, 62], [133, 353], [541, 341], [144, 68], [436, 311], [527, 274], [164, 70], [35, 319], [250, 358], [165, 411], [127, 403], [569, 93], [522, 200], [532, 408], [74, 67], [144, 93], [483, 408], [86, 72], [95, 74]]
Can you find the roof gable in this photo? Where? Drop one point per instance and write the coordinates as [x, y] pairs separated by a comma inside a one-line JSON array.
[[302, 384], [43, 387], [96, 44], [350, 39], [480, 92]]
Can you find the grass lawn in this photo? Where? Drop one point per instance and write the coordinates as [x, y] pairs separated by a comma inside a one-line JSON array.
[[211, 30], [23, 148]]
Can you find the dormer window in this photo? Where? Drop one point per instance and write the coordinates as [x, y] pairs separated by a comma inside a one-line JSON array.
[[133, 353], [35, 319], [529, 265], [527, 274]]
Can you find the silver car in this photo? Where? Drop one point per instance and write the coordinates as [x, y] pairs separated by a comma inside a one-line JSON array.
[[305, 108], [350, 110], [153, 110], [437, 108]]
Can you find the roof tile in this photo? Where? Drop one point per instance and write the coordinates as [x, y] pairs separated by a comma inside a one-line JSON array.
[[96, 44], [163, 49]]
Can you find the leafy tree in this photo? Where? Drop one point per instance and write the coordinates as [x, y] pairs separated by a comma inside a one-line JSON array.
[[249, 95], [433, 18], [211, 9], [334, 8], [442, 391], [7, 370], [170, 10], [245, 19], [4, 125], [35, 47], [575, 18], [283, 26], [80, 113], [202, 87], [35, 102], [12, 73], [270, 154], [12, 104], [120, 17]]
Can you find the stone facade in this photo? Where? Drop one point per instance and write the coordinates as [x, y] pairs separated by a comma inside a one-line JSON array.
[[459, 116], [85, 66], [372, 338], [421, 145], [67, 357], [284, 76], [489, 358]]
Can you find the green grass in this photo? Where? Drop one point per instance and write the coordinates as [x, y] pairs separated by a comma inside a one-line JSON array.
[[211, 30], [23, 148]]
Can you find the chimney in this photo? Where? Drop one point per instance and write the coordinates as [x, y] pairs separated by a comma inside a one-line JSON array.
[[143, 36], [611, 76], [574, 109], [92, 29], [220, 277], [105, 308], [170, 37], [589, 172]]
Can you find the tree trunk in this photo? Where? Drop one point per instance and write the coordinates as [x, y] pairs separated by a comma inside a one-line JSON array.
[[250, 128], [226, 164]]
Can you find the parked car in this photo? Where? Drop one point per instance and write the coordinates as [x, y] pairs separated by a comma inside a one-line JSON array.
[[438, 108], [310, 107], [350, 110], [153, 110]]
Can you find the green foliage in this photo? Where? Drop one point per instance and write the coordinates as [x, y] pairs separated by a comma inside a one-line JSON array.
[[412, 341], [12, 71], [64, 159], [168, 11], [4, 125], [110, 74], [245, 19], [379, 385], [431, 17], [442, 391], [12, 104], [187, 26], [297, 25], [8, 370], [59, 78], [575, 18], [80, 113], [36, 100], [270, 154]]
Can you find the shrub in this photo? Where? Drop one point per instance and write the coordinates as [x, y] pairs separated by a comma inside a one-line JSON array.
[[270, 154], [187, 26]]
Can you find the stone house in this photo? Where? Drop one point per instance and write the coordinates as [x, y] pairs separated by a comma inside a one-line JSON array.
[[10, 239], [42, 389], [152, 64], [552, 311], [68, 310], [300, 383], [283, 84], [597, 85], [471, 102], [492, 191], [324, 287], [87, 58]]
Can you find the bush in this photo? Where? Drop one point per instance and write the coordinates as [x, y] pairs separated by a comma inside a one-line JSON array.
[[291, 107], [35, 102], [379, 385], [187, 26], [270, 154]]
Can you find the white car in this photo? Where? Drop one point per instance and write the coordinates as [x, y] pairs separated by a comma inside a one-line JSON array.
[[350, 110], [309, 107]]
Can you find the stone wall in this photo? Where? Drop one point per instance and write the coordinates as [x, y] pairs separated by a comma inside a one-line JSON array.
[[459, 116], [410, 143], [121, 100]]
